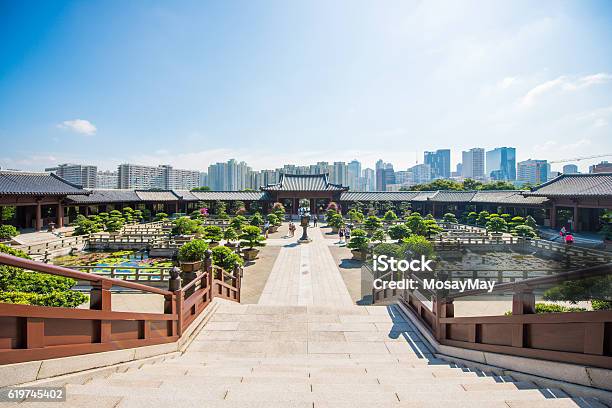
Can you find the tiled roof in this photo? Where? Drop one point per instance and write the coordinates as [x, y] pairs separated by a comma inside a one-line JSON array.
[[491, 196], [29, 183], [424, 195], [575, 185], [106, 196], [231, 195], [185, 195], [377, 195], [518, 198], [450, 196], [156, 196], [311, 182]]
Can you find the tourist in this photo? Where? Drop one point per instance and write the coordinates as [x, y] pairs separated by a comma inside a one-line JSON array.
[[347, 233], [563, 231], [569, 238], [266, 228], [315, 220], [291, 228], [341, 232]]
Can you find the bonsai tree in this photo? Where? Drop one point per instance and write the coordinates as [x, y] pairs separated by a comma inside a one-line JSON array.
[[391, 250], [230, 234], [250, 238], [226, 258], [273, 219], [86, 226], [483, 218], [128, 214], [195, 215], [355, 216], [335, 221], [238, 222], [257, 220], [515, 221], [137, 214], [496, 225], [221, 208], [471, 217], [146, 214], [359, 241], [161, 216], [8, 232], [237, 207], [372, 223], [431, 228], [115, 221], [524, 231], [530, 221], [416, 223], [378, 235], [186, 226], [390, 216], [450, 218], [278, 209], [399, 232], [213, 233], [417, 245], [192, 251], [606, 225]]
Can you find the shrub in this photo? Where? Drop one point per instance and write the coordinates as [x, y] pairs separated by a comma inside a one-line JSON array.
[[230, 234], [335, 220], [552, 308], [390, 216], [278, 209], [137, 214], [161, 216], [359, 240], [496, 224], [482, 219], [530, 221], [391, 250], [8, 232], [450, 218], [193, 251], [257, 220], [213, 233], [431, 227], [601, 304], [273, 219], [251, 237], [195, 215], [332, 206], [399, 231], [238, 222], [378, 235], [185, 226], [226, 258], [524, 231], [417, 245], [471, 218], [53, 299], [86, 227], [355, 216], [372, 223]]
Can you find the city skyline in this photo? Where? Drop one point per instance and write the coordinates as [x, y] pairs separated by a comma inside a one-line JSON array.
[[200, 86]]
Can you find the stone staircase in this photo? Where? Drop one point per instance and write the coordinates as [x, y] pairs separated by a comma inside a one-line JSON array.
[[309, 356]]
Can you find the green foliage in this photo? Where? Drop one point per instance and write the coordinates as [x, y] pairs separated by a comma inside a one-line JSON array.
[[372, 223], [497, 185], [330, 213], [33, 288], [440, 184], [7, 212], [496, 224], [8, 232], [146, 214], [391, 250], [573, 291], [471, 218], [399, 231], [601, 304], [483, 218], [137, 214], [192, 251], [251, 237], [201, 188], [213, 232], [278, 209], [221, 210], [196, 215], [531, 222], [359, 240], [355, 216], [273, 219], [606, 225], [185, 226], [378, 235], [238, 222], [238, 207], [335, 220], [230, 234], [226, 258], [161, 216], [450, 218], [390, 216], [416, 223], [524, 231], [257, 220], [86, 227], [552, 308], [468, 184], [417, 245], [431, 228]]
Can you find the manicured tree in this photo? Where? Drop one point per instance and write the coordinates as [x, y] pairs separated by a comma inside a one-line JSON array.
[[606, 225], [335, 221], [359, 240], [471, 218], [146, 214], [161, 216], [192, 251], [236, 206], [496, 224], [7, 213], [399, 231], [226, 258], [390, 216], [222, 210], [255, 207], [213, 233], [273, 219], [251, 237], [416, 245], [257, 220], [238, 222], [355, 216], [85, 226], [8, 232], [524, 231], [416, 224], [128, 215], [372, 223], [378, 235], [115, 221], [530, 221], [483, 218], [391, 250], [278, 209], [195, 215], [137, 215], [230, 234], [450, 218], [185, 226], [431, 228]]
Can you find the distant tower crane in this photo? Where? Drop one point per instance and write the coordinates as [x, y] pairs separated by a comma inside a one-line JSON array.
[[580, 158]]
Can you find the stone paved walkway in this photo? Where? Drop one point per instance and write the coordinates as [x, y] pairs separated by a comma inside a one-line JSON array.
[[305, 274]]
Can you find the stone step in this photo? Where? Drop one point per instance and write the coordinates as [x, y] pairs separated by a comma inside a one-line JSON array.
[[130, 402], [211, 392], [484, 395]]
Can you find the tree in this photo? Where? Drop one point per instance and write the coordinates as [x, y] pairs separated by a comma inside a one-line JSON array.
[[372, 223], [390, 216], [471, 218], [238, 206], [202, 188], [399, 231], [416, 245], [524, 231], [115, 221], [192, 251], [431, 228], [531, 222], [225, 258], [355, 216], [8, 232], [496, 185], [273, 219], [230, 234], [450, 218], [7, 213], [496, 224], [483, 218], [378, 235], [278, 209], [335, 221], [85, 226], [470, 184], [359, 240], [257, 220], [238, 222], [161, 216], [416, 224], [606, 225], [213, 233], [186, 226], [251, 237]]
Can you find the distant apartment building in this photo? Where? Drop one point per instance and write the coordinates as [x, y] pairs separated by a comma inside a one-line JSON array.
[[164, 177], [570, 169], [177, 179], [501, 164], [339, 174], [106, 180], [603, 167], [473, 163], [368, 182], [421, 174], [354, 175], [458, 172], [79, 174], [439, 162], [229, 176], [203, 179], [532, 171]]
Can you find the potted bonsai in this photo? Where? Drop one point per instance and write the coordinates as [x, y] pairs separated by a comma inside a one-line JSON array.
[[257, 220], [250, 238], [226, 258], [496, 225], [213, 233], [606, 228], [238, 222], [359, 244], [190, 255], [230, 235], [274, 222], [372, 223], [399, 232], [335, 221], [390, 217]]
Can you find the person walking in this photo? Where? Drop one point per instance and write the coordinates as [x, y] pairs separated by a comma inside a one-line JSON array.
[[291, 228], [315, 220], [347, 234], [569, 238], [341, 232], [266, 228]]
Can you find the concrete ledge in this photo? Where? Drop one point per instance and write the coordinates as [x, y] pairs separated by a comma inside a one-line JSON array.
[[86, 365], [574, 379]]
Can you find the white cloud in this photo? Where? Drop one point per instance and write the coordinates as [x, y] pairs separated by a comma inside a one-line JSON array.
[[81, 126], [564, 84]]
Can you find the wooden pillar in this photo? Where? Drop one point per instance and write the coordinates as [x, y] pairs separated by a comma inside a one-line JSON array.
[[575, 226], [553, 216], [60, 215], [38, 216], [523, 302], [100, 299], [442, 308]]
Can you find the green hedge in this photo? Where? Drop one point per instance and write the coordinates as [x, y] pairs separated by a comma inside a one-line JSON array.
[[53, 299]]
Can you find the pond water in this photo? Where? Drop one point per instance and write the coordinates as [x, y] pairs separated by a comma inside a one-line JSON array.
[[127, 259]]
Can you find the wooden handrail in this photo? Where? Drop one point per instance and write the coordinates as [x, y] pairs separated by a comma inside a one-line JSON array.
[[71, 273]]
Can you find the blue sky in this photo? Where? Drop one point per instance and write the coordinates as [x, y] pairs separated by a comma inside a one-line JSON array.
[[270, 82]]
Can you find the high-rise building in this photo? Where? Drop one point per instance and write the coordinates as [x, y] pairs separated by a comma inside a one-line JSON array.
[[339, 174], [439, 161], [473, 161], [163, 177], [79, 174], [354, 173], [532, 171], [421, 174], [570, 169], [107, 180], [389, 174], [384, 175], [203, 179], [501, 163], [368, 177], [603, 167]]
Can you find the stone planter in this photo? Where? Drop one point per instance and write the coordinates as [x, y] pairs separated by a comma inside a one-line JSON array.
[[273, 228], [213, 244], [250, 254], [359, 255], [335, 230], [191, 266]]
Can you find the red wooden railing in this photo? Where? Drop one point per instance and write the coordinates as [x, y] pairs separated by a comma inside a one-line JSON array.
[[577, 337], [30, 333]]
